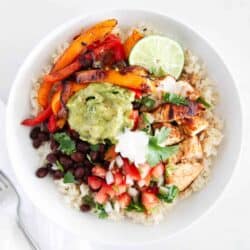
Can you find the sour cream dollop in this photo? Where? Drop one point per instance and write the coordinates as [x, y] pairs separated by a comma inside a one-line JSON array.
[[133, 145], [170, 85]]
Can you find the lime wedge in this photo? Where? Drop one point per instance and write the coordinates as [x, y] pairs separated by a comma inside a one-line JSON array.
[[158, 54]]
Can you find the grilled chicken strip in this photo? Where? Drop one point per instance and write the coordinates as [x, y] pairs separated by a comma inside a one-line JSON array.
[[189, 149], [171, 112], [193, 126], [183, 174]]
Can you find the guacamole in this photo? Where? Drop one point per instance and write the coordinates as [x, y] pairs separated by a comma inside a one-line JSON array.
[[100, 111]]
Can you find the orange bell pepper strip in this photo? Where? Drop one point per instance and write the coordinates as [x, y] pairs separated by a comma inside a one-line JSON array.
[[56, 101], [127, 78], [131, 41], [79, 45]]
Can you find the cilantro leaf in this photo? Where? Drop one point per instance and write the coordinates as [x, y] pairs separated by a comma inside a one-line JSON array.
[[66, 144], [156, 152], [100, 211], [87, 199], [168, 194], [161, 135], [175, 99], [59, 166], [147, 102], [135, 206], [94, 147], [68, 178], [204, 102]]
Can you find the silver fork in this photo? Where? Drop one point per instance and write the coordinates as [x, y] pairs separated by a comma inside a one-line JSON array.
[[9, 193]]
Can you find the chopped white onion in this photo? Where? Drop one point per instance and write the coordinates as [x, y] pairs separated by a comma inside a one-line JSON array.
[[109, 177], [117, 207], [129, 180], [133, 191], [160, 181], [119, 161], [111, 165], [108, 207]]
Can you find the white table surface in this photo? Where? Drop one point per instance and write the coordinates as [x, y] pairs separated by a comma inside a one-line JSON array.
[[225, 23]]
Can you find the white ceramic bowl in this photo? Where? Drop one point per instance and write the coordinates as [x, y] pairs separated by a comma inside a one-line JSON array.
[[43, 192]]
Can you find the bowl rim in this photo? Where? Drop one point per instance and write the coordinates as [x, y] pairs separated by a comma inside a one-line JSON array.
[[62, 28]]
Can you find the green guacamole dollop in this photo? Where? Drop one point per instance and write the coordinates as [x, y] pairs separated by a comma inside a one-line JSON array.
[[100, 111]]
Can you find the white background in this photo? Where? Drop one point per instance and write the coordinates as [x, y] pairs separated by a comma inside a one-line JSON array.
[[225, 23]]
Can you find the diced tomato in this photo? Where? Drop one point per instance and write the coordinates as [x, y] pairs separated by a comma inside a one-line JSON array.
[[107, 189], [124, 200], [99, 171], [101, 197], [119, 189], [131, 170], [149, 200], [157, 171], [135, 117], [118, 178], [94, 182]]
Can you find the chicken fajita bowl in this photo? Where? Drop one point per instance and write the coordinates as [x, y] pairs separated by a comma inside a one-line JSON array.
[[123, 122]]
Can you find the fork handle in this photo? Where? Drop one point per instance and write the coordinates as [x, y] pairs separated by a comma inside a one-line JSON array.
[[27, 235]]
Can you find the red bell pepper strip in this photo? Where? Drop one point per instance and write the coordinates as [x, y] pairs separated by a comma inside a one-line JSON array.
[[135, 117], [52, 126], [41, 117]]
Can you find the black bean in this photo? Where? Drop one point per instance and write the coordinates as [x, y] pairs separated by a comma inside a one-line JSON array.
[[74, 134], [82, 147], [34, 132], [105, 164], [58, 174], [87, 163], [53, 144], [36, 143], [79, 172], [42, 172], [94, 155], [49, 165], [78, 165], [136, 105], [85, 207], [51, 158], [65, 161], [43, 136], [77, 157], [101, 148]]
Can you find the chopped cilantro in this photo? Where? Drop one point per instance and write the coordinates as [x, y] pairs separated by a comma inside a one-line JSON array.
[[87, 199], [175, 99], [59, 166], [94, 147], [147, 102], [156, 152], [168, 193], [68, 178], [204, 102], [135, 206], [66, 144], [100, 211]]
